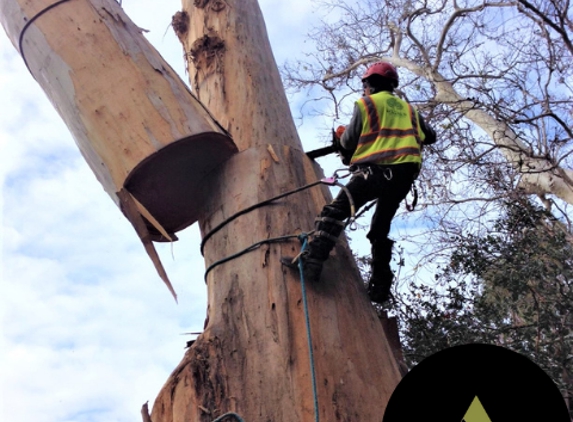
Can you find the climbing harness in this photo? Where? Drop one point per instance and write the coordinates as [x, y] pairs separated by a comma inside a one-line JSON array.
[[364, 171]]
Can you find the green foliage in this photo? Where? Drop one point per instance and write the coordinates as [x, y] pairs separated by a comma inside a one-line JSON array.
[[512, 287]]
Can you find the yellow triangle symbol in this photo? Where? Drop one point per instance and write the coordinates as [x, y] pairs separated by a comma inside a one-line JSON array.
[[476, 412]]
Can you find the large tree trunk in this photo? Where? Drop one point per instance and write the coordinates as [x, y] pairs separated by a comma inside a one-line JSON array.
[[253, 357]]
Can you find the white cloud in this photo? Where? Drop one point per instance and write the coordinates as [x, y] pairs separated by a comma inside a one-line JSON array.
[[89, 331]]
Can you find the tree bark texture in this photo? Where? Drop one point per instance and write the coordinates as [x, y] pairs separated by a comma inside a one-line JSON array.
[[253, 357], [121, 101]]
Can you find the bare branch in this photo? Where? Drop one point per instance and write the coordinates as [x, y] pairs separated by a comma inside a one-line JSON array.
[[561, 31]]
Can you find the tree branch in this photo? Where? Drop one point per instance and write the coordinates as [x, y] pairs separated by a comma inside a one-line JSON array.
[[458, 13], [549, 22]]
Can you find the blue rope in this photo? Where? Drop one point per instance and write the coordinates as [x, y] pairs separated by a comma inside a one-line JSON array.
[[228, 415], [304, 239]]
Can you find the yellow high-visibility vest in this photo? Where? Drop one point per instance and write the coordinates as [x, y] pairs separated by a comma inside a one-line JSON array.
[[391, 132]]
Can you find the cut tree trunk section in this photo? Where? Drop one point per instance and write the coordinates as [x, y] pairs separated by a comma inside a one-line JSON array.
[[134, 120]]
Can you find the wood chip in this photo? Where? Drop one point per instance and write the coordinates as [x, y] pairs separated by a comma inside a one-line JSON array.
[[274, 155]]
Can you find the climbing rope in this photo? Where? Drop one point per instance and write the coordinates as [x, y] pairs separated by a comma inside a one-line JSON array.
[[32, 19], [251, 208], [333, 181], [330, 181], [304, 239], [246, 250]]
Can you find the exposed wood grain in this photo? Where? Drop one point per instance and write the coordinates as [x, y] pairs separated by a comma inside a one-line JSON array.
[[121, 101]]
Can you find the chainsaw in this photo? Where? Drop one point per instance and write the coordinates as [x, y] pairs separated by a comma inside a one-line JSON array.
[[334, 147], [321, 152]]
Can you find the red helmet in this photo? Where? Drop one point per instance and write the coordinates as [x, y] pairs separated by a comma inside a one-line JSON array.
[[386, 70]]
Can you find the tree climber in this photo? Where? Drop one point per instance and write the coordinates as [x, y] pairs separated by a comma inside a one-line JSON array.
[[382, 144]]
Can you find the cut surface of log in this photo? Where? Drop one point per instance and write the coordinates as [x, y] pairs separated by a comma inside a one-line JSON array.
[[122, 103]]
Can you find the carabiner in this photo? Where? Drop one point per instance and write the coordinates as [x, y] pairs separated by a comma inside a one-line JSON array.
[[336, 176], [388, 174], [351, 224]]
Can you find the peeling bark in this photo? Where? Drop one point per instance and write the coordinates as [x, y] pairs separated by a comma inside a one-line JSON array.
[[207, 52], [180, 24]]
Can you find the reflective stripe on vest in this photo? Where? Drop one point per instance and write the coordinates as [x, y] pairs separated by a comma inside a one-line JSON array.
[[390, 131]]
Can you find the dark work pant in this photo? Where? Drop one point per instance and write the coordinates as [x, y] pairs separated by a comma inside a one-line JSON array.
[[388, 184]]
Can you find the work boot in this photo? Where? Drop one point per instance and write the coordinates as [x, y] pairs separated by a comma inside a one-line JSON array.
[[311, 268], [379, 285], [326, 233], [381, 276]]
